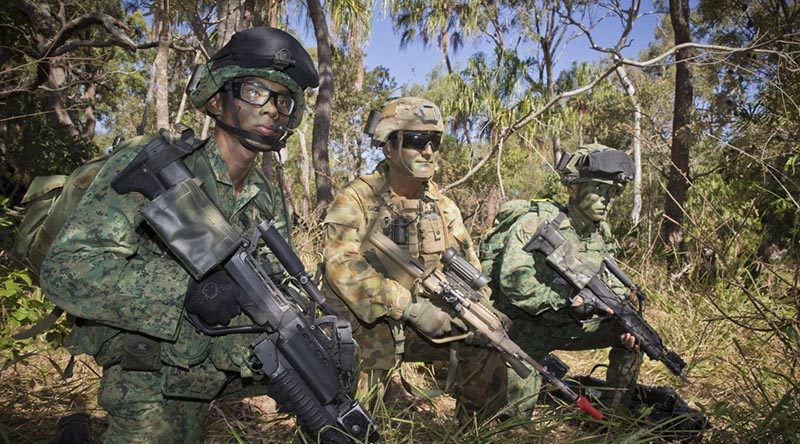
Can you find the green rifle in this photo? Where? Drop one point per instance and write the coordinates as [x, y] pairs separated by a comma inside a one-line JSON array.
[[458, 286]]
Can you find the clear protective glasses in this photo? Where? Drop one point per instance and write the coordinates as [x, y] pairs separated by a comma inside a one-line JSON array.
[[258, 95], [418, 140]]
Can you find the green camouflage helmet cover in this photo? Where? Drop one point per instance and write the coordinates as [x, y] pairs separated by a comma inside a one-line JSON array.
[[263, 52], [596, 162], [407, 114]]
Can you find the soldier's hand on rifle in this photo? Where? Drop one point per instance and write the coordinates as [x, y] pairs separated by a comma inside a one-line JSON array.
[[628, 340], [505, 321], [213, 298], [430, 319], [584, 307]]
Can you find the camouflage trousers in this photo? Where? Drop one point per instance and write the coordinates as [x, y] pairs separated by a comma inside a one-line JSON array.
[[480, 380], [139, 412], [558, 330]]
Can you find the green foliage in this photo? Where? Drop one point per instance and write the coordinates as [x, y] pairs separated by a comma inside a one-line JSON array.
[[22, 305]]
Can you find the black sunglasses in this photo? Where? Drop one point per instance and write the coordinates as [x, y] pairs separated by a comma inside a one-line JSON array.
[[418, 140], [257, 94]]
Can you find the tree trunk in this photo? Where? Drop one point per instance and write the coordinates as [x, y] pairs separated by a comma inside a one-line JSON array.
[[181, 109], [56, 79], [160, 65], [492, 203], [229, 20], [305, 171], [322, 117], [357, 46], [637, 144], [148, 99], [91, 119], [274, 13], [444, 46], [548, 61], [678, 182], [206, 127]]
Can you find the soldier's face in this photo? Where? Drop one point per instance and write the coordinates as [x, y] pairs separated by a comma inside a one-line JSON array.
[[593, 199], [419, 163], [265, 120]]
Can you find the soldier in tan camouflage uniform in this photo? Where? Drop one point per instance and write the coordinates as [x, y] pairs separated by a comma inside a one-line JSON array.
[[108, 268], [546, 313], [391, 322]]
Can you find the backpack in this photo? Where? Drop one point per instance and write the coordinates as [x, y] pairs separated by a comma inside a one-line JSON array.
[[490, 250], [49, 201]]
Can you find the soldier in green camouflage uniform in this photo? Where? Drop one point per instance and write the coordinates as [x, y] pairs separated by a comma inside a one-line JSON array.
[[393, 321], [546, 314], [110, 270]]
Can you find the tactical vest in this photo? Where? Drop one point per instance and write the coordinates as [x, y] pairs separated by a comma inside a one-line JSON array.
[[416, 225]]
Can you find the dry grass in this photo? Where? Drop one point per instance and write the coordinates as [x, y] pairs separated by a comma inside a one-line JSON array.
[[742, 350]]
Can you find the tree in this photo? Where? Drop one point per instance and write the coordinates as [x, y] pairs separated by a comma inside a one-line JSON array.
[[447, 22], [163, 14], [678, 184], [323, 108], [52, 71]]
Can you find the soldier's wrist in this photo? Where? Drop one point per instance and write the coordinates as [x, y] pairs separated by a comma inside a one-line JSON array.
[[399, 305]]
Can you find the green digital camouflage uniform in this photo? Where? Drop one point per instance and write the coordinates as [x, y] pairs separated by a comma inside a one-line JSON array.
[[537, 300], [109, 269], [376, 302]]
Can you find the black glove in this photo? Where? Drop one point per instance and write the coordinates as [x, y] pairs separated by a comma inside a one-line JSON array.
[[214, 298], [588, 308]]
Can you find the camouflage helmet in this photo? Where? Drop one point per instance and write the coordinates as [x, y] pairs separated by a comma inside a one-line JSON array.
[[595, 162], [263, 52], [408, 114]]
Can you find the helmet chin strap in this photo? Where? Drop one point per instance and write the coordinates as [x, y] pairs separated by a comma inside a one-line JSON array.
[[245, 137]]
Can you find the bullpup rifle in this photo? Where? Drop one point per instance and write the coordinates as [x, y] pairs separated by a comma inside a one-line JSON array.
[[458, 286], [593, 287]]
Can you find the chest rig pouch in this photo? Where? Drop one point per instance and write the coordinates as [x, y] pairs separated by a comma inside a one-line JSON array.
[[417, 226]]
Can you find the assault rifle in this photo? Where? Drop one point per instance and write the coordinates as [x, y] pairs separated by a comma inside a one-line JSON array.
[[302, 356], [458, 286], [596, 292]]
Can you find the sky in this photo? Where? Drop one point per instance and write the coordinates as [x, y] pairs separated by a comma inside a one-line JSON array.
[[413, 63]]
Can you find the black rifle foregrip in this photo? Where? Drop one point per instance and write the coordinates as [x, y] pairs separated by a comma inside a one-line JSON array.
[[632, 322], [292, 395]]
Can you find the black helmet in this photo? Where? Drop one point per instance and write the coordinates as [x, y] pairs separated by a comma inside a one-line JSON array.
[[259, 52]]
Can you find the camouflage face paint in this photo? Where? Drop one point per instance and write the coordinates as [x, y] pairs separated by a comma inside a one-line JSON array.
[[264, 120], [593, 199], [419, 164]]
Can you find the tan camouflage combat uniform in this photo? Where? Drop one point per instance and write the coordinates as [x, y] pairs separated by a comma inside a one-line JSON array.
[[537, 299], [108, 268], [376, 302]]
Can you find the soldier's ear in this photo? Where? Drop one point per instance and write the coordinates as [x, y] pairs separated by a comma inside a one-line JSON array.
[[214, 105], [388, 149]]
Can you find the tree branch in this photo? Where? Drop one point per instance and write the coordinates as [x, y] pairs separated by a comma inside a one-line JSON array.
[[113, 26]]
